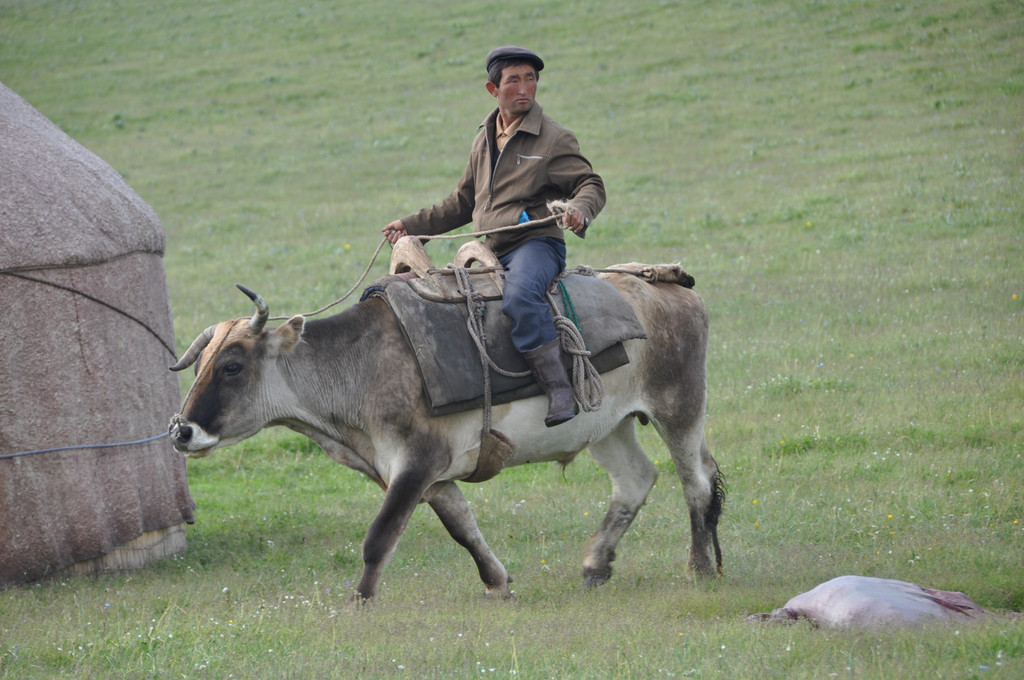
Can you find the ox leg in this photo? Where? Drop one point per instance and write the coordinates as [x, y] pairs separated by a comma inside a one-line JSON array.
[[400, 500], [704, 488], [632, 476], [457, 517]]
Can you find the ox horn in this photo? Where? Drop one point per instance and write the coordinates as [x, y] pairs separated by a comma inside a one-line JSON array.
[[262, 313], [198, 345]]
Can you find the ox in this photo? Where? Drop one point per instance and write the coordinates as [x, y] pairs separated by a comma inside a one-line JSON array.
[[350, 383]]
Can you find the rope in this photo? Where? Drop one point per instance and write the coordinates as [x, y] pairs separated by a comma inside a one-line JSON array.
[[475, 324], [476, 327], [351, 290], [559, 207], [82, 446], [512, 227], [98, 301], [17, 273], [587, 386]]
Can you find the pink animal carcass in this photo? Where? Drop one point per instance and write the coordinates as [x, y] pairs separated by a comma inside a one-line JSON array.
[[866, 602]]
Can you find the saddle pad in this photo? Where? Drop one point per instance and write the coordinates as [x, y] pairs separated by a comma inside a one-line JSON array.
[[449, 360]]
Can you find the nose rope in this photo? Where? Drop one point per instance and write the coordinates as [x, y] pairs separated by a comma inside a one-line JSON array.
[[80, 447], [18, 273]]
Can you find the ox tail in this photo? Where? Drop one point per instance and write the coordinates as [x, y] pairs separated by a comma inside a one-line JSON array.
[[715, 509]]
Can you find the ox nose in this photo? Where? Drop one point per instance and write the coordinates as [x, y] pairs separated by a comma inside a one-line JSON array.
[[180, 433]]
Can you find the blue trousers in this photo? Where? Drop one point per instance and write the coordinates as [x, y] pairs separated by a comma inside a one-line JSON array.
[[529, 271]]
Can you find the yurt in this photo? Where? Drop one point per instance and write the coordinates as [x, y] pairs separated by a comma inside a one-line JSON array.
[[88, 479]]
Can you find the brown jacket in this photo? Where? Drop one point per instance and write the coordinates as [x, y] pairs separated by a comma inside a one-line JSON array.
[[540, 163]]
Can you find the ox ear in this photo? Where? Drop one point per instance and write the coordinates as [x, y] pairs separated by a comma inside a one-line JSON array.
[[283, 338]]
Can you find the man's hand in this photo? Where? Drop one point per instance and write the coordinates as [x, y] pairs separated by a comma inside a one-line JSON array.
[[574, 220], [394, 231]]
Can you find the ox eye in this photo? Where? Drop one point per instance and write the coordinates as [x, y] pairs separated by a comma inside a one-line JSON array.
[[232, 369]]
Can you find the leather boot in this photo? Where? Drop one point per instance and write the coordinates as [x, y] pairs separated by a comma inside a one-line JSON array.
[[546, 364]]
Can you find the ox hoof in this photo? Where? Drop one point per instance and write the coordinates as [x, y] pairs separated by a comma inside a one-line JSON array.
[[702, 572], [593, 578], [502, 592], [356, 602]]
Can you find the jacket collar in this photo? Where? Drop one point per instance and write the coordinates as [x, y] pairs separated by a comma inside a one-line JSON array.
[[531, 123]]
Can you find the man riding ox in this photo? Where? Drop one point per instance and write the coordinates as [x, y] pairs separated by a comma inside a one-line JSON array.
[[521, 160], [350, 382]]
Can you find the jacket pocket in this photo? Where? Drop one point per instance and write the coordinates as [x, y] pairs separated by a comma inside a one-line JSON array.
[[521, 157]]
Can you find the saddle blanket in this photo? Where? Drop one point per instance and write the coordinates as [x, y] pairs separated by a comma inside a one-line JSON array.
[[449, 360]]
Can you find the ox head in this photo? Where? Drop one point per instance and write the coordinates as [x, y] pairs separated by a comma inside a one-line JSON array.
[[228, 401]]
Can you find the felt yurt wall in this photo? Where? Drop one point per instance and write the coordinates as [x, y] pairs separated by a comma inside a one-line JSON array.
[[85, 341]]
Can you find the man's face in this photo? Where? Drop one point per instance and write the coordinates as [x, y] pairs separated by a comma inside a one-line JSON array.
[[516, 92]]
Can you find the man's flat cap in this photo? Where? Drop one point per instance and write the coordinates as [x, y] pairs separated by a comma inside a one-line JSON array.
[[514, 52]]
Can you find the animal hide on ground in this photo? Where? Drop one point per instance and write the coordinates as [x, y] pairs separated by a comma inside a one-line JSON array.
[[865, 602]]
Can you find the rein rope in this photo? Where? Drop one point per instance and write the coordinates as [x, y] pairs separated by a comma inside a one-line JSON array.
[[587, 387], [558, 206], [362, 277]]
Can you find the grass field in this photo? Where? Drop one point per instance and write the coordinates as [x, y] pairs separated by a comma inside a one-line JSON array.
[[844, 181]]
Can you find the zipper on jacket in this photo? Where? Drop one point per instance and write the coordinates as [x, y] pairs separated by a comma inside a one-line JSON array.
[[520, 157], [494, 166]]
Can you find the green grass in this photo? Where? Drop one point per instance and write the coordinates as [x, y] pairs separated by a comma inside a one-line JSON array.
[[843, 180]]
